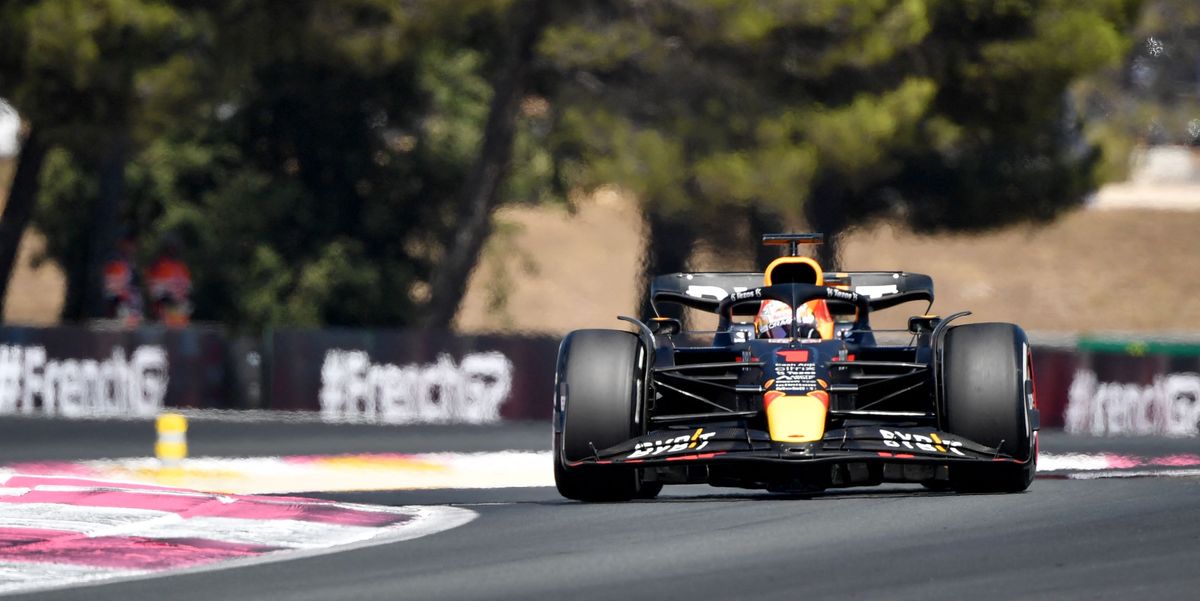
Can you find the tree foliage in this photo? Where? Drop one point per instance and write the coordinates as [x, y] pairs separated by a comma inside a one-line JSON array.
[[950, 114], [1152, 95], [336, 162], [307, 153], [89, 75]]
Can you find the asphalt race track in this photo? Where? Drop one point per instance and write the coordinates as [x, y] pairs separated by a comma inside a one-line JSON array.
[[1101, 538]]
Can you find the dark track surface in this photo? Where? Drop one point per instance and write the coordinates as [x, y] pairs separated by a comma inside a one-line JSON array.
[[39, 439], [1130, 538]]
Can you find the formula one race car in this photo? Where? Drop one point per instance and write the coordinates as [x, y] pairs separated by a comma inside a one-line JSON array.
[[794, 404]]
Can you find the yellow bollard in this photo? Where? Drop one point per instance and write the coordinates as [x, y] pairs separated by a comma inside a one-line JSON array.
[[171, 448]]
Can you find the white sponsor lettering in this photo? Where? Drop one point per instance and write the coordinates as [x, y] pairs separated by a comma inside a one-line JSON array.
[[1170, 405], [30, 382], [876, 291], [685, 442], [920, 442], [747, 294], [440, 392], [714, 292], [839, 294]]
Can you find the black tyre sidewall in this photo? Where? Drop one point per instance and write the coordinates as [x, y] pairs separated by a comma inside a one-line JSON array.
[[600, 377], [984, 370], [599, 391]]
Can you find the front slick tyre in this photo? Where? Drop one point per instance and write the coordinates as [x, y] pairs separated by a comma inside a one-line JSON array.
[[986, 373], [599, 372]]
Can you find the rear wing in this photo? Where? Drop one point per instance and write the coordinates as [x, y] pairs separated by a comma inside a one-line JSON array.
[[705, 291]]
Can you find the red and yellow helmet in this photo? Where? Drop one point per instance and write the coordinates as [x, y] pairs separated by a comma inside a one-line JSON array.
[[775, 321]]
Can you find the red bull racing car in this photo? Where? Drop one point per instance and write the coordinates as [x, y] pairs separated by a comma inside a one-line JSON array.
[[814, 404]]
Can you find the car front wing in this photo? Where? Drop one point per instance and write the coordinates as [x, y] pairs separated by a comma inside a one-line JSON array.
[[867, 443]]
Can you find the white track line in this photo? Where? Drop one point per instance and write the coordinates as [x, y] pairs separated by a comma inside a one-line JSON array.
[[24, 577], [1187, 473]]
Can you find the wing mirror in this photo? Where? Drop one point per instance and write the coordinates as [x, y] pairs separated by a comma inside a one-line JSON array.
[[665, 325], [919, 324]]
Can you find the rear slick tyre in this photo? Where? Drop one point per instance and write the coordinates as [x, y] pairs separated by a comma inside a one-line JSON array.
[[600, 384], [986, 374]]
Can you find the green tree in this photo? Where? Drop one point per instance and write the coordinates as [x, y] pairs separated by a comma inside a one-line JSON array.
[[85, 74], [715, 113], [482, 192], [324, 161], [314, 194], [382, 201], [1150, 97], [339, 161]]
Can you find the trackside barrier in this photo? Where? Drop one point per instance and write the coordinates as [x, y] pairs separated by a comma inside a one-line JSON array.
[[1053, 370], [79, 372], [1092, 386], [1123, 387], [385, 376], [412, 376]]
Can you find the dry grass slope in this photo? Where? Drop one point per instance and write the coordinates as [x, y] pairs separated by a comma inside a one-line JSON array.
[[35, 296], [1093, 270]]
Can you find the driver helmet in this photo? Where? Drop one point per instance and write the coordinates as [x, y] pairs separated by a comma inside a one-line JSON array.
[[775, 321]]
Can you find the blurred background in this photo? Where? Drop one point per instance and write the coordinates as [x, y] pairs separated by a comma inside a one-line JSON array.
[[252, 186]]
